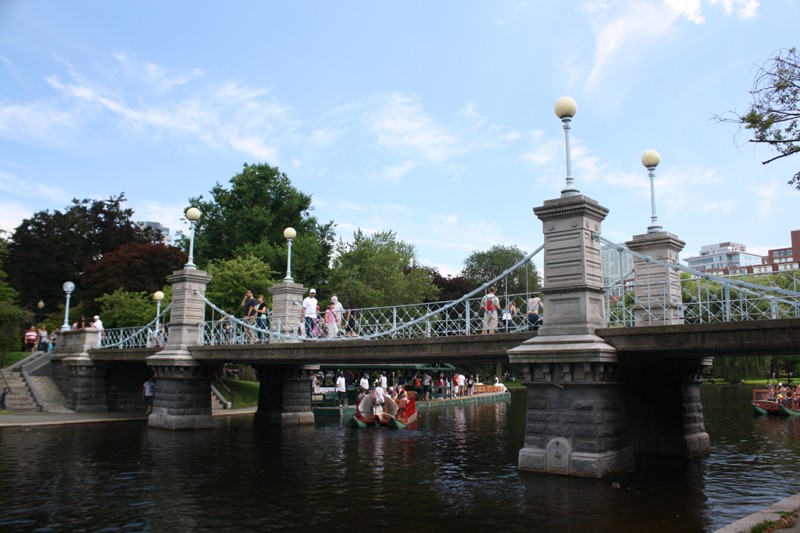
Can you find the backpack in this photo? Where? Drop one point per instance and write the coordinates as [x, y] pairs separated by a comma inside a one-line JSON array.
[[489, 304]]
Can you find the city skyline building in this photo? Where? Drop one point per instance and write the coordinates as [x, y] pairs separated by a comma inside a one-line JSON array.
[[166, 238]]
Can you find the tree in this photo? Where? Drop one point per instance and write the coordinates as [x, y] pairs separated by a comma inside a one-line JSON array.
[[481, 267], [50, 248], [249, 219], [123, 309], [11, 316], [450, 287], [774, 115], [231, 278], [138, 267], [377, 270]]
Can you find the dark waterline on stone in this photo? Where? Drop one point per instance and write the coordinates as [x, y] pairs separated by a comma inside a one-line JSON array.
[[459, 462]]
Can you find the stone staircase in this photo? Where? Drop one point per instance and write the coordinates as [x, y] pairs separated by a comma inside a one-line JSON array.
[[50, 395], [217, 403], [18, 398]]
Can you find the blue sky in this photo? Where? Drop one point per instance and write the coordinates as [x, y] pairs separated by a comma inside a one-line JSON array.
[[431, 119]]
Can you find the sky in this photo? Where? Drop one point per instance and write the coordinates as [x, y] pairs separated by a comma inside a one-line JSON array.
[[434, 120]]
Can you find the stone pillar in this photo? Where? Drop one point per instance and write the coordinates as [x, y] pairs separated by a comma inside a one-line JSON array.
[[657, 288], [285, 395], [84, 382], [576, 410], [182, 398], [287, 309], [576, 422], [573, 273]]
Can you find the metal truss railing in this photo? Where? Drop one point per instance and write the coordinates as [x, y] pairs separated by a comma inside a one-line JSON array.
[[433, 319], [153, 334], [695, 297]]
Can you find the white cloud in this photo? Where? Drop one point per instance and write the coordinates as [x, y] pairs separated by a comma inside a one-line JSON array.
[[745, 9], [226, 116], [624, 30], [401, 124], [152, 74], [37, 122]]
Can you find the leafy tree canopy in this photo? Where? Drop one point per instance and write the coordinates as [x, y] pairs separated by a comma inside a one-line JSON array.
[[450, 287], [481, 267], [376, 270], [774, 115], [122, 309], [50, 248], [11, 316], [231, 278], [249, 218], [138, 267]]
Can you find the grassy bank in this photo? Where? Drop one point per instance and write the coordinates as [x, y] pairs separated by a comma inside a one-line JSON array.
[[12, 358], [241, 394]]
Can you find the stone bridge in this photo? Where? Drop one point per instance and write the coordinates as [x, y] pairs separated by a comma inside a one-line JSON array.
[[597, 397]]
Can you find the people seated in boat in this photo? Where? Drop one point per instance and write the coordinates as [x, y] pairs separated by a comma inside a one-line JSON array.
[[392, 393], [378, 393], [402, 402]]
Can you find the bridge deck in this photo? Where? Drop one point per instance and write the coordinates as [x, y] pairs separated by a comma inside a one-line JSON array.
[[757, 337], [459, 349]]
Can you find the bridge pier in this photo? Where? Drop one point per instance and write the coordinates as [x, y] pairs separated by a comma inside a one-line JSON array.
[[182, 399], [576, 422], [80, 379], [284, 397]]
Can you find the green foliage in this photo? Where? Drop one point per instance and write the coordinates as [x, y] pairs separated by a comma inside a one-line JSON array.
[[138, 267], [122, 309], [377, 270], [481, 267], [231, 278], [735, 369], [249, 219], [12, 317], [11, 358], [50, 248], [773, 116], [241, 394]]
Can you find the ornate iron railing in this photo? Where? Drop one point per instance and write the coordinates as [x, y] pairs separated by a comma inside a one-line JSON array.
[[433, 319], [696, 297], [153, 334]]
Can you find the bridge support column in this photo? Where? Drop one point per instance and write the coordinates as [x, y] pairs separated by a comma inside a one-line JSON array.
[[182, 398], [287, 310], [576, 423], [84, 381], [576, 410], [657, 289], [285, 395]]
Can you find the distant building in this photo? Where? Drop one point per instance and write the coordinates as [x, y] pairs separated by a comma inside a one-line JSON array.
[[722, 257], [165, 236], [732, 258]]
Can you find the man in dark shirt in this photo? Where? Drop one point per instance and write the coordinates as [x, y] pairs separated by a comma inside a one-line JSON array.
[[249, 307]]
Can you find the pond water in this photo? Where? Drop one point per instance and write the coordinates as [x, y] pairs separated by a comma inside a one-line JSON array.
[[457, 468]]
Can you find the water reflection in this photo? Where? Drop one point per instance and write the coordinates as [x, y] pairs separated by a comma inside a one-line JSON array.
[[458, 461]]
